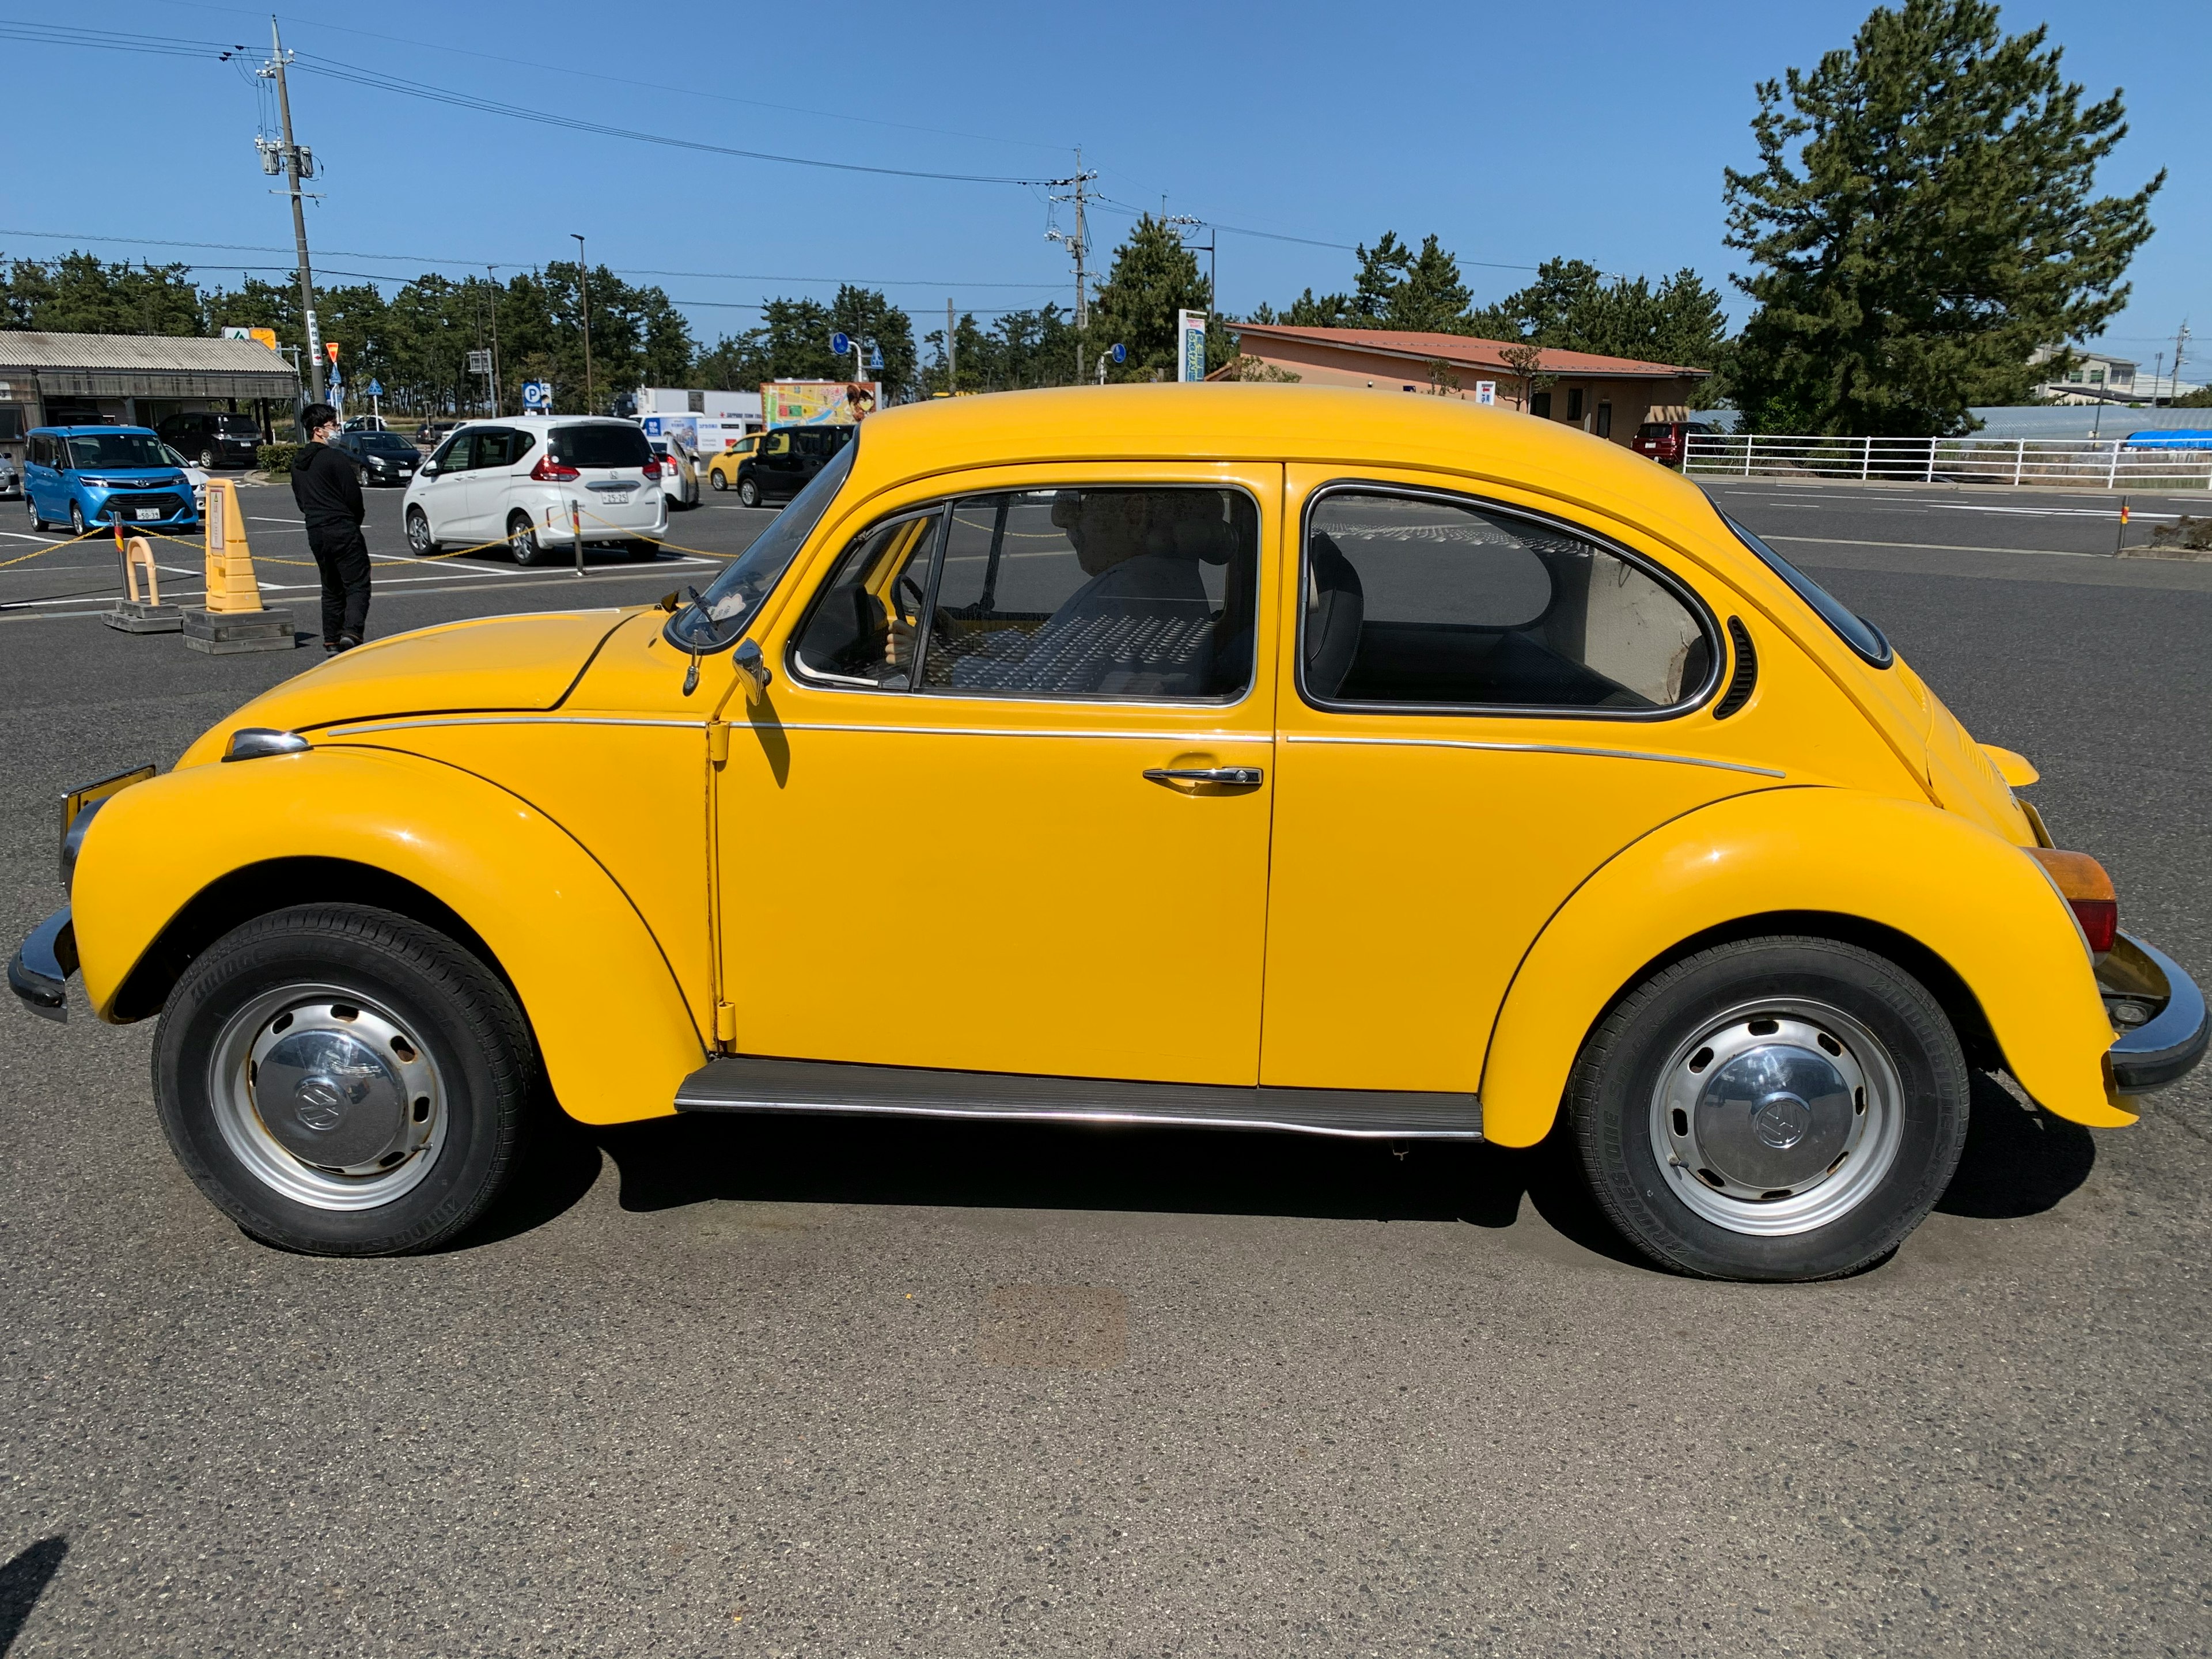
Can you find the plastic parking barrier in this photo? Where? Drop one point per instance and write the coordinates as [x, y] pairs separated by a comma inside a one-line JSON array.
[[134, 615], [233, 619]]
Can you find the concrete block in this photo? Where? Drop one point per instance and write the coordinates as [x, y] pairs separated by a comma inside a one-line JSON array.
[[137, 616], [221, 632]]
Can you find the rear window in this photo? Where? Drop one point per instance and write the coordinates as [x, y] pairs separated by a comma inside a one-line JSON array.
[[1861, 635], [237, 426], [1653, 430], [610, 445]]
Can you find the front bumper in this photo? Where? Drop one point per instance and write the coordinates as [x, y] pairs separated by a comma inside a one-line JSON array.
[[2139, 980], [39, 970]]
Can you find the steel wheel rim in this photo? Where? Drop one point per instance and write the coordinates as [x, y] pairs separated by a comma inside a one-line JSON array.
[[307, 1062], [1777, 1117]]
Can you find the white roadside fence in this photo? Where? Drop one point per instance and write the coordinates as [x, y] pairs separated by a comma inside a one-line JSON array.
[[2066, 463]]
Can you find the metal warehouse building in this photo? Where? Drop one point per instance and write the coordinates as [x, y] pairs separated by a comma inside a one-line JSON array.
[[135, 379]]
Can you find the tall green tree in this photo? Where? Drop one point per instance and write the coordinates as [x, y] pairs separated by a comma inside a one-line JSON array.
[[80, 293], [1574, 307], [1921, 220], [1402, 288], [1153, 276]]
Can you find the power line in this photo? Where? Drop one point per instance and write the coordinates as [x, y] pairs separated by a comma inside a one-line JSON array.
[[375, 80], [505, 264]]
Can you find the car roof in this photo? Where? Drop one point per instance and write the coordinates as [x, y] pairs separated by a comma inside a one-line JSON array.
[[59, 431], [1344, 429]]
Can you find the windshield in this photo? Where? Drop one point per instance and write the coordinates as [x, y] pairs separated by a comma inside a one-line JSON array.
[[116, 449], [1861, 635], [386, 443], [729, 604]]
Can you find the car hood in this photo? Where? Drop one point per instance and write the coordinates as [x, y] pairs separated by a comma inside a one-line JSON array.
[[487, 663]]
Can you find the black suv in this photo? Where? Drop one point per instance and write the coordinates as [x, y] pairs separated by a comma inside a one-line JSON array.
[[212, 438], [785, 461]]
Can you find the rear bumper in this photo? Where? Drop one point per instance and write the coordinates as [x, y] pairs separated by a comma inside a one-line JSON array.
[[39, 972], [2153, 1052]]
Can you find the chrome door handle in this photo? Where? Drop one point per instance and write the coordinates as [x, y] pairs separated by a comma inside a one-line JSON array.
[[1245, 777]]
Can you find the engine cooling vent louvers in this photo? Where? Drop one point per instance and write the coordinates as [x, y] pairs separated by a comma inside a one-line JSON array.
[[1746, 677]]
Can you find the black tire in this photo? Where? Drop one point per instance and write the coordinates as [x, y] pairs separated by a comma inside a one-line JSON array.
[[522, 541], [462, 1017], [748, 493], [1616, 1109], [31, 508], [420, 542], [715, 477], [208, 460], [77, 518]]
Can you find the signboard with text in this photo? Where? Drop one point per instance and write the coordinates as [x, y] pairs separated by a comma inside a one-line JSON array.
[[1190, 345], [1486, 392], [819, 403]]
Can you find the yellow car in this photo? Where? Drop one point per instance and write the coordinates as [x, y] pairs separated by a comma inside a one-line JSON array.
[[1234, 756], [722, 465]]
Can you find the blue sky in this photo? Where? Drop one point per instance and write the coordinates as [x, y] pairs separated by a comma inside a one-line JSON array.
[[1514, 131]]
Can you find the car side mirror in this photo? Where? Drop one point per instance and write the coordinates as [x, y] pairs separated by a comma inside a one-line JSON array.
[[429, 469], [749, 664]]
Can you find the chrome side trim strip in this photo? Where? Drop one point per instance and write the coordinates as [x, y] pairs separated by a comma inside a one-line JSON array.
[[1540, 749], [1168, 734], [350, 731]]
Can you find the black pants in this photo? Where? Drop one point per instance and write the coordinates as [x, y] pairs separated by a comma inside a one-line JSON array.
[[342, 557]]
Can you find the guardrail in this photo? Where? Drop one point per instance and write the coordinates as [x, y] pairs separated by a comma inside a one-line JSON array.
[[2062, 463]]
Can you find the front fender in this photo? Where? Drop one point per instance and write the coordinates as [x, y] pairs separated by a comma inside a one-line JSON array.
[[1974, 900], [608, 1014]]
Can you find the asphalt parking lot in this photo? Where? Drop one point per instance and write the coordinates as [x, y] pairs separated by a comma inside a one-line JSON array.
[[785, 1387]]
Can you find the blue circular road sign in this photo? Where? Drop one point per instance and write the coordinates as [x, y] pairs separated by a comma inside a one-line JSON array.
[[1120, 354], [839, 343]]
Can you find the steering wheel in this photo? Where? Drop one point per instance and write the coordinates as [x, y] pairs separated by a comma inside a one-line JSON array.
[[940, 625]]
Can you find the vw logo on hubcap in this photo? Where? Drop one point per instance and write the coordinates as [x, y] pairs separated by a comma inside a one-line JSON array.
[[321, 1104], [1782, 1121]]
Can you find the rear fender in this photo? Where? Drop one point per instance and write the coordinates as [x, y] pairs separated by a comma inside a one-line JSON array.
[[1980, 905], [608, 1016]]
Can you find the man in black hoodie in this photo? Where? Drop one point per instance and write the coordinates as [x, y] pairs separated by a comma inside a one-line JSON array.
[[326, 484]]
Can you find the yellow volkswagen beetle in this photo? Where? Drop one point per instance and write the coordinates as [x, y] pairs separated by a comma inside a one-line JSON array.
[[1232, 755]]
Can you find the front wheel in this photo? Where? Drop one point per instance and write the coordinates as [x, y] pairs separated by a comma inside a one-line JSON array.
[[1774, 1108], [748, 493], [77, 518], [420, 542], [719, 481], [340, 1080], [207, 460]]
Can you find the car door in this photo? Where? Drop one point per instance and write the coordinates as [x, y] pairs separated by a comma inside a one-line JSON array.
[[39, 476], [443, 495], [1043, 848], [775, 464], [491, 478], [1485, 703]]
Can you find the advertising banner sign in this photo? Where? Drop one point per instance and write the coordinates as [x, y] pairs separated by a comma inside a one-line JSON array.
[[1486, 392], [819, 403], [1190, 345]]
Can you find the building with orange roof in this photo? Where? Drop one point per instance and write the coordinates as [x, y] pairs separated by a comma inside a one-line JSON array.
[[1607, 397]]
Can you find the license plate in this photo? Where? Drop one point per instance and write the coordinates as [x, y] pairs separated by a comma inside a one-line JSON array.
[[148, 513], [618, 496]]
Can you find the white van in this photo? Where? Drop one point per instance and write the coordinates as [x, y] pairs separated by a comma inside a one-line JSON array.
[[528, 479]]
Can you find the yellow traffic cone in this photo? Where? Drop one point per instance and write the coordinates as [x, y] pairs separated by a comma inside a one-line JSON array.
[[234, 619]]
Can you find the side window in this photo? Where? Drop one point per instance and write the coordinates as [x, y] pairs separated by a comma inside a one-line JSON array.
[[1539, 405], [776, 443], [861, 630], [1424, 601], [1112, 591], [453, 455], [502, 447]]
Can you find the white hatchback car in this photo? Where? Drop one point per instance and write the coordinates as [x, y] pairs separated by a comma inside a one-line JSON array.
[[539, 482], [679, 473]]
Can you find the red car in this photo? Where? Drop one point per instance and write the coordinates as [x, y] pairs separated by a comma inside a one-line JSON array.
[[1664, 442]]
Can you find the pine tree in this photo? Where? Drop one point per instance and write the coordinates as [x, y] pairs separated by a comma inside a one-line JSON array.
[[1153, 276], [1921, 220]]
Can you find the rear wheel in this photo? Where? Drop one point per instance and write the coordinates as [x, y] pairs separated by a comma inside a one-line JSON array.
[[749, 493], [522, 540], [340, 1080], [1774, 1108], [31, 508]]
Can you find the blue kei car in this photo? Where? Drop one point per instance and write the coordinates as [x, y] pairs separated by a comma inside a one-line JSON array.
[[81, 476]]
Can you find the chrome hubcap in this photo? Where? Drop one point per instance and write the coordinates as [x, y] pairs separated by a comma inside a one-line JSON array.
[[327, 1099], [1777, 1117]]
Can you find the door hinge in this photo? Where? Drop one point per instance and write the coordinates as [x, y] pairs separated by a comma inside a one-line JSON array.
[[726, 1022], [718, 741]]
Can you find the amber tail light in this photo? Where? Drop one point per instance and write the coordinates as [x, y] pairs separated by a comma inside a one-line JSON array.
[[2087, 888]]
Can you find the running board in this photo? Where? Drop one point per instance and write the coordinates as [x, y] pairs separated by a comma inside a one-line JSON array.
[[750, 1084]]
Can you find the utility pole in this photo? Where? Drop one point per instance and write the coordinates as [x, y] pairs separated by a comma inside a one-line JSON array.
[[584, 294], [951, 348], [1078, 242], [1212, 238], [2180, 340], [296, 165], [497, 401]]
